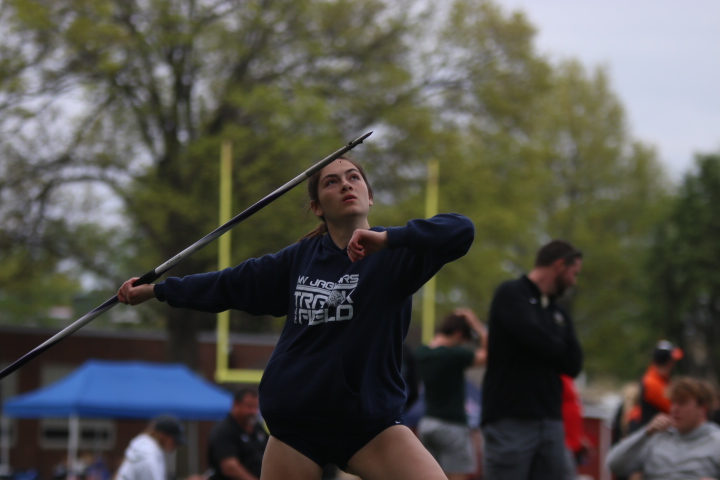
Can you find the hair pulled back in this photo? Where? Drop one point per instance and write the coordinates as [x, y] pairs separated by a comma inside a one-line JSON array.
[[314, 184]]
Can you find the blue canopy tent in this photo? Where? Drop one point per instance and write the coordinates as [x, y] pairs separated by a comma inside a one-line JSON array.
[[114, 389], [111, 389]]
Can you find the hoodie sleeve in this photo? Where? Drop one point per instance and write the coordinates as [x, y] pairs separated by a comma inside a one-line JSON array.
[[430, 244], [629, 455], [258, 286]]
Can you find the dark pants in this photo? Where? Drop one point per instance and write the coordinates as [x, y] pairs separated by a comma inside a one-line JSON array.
[[519, 449]]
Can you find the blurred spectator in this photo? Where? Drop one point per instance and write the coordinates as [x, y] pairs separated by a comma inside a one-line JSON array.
[[96, 468], [531, 341], [653, 386], [576, 442], [715, 415], [627, 415], [237, 444], [30, 474], [683, 444], [444, 429], [145, 456]]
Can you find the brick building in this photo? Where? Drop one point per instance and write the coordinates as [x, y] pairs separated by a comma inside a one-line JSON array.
[[42, 444]]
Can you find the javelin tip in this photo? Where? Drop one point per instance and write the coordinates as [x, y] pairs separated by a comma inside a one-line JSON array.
[[360, 139]]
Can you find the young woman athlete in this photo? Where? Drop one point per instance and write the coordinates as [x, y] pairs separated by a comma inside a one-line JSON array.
[[332, 391]]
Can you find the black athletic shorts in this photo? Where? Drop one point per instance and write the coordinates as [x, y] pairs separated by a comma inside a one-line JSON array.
[[332, 444]]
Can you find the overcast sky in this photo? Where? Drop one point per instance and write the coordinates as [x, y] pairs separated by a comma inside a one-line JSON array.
[[663, 59]]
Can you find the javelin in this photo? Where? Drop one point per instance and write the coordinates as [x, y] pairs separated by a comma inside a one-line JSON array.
[[156, 273]]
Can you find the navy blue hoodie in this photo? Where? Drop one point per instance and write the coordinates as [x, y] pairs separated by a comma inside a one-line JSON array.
[[337, 362]]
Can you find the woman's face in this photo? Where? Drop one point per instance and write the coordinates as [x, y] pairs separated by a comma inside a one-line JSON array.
[[342, 193]]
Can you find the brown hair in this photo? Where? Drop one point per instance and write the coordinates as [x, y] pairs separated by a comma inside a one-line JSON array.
[[240, 394], [314, 184], [452, 323], [631, 399], [683, 388], [556, 250]]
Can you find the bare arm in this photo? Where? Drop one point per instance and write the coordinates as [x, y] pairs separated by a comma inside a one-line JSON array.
[[631, 453], [477, 326]]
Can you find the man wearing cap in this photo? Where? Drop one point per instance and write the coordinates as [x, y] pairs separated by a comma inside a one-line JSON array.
[[237, 444], [531, 342], [654, 384], [145, 456]]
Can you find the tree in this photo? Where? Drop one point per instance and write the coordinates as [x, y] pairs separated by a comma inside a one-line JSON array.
[[532, 151], [603, 191], [568, 168], [162, 83], [37, 236], [683, 269], [528, 150], [482, 81]]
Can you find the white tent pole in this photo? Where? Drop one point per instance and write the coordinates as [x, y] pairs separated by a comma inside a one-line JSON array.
[[4, 440], [193, 446], [73, 441], [4, 446]]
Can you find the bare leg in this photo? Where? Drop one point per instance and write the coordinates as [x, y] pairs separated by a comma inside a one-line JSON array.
[[395, 454], [281, 462]]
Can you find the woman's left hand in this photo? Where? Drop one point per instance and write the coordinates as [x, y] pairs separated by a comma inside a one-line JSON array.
[[364, 243]]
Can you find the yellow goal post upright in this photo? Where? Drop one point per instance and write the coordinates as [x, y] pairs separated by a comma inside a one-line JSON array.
[[429, 290], [223, 373]]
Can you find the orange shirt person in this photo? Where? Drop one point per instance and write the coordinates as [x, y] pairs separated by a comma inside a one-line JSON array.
[[653, 386]]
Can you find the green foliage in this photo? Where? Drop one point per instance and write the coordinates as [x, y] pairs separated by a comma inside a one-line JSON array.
[[528, 150], [604, 193], [27, 295], [683, 269]]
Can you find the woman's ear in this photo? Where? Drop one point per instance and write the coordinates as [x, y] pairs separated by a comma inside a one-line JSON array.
[[317, 210]]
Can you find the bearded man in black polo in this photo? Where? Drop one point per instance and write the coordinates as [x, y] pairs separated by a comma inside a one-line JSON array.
[[531, 341], [237, 444]]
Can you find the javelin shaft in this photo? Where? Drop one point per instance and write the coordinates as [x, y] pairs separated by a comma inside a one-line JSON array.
[[157, 272]]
